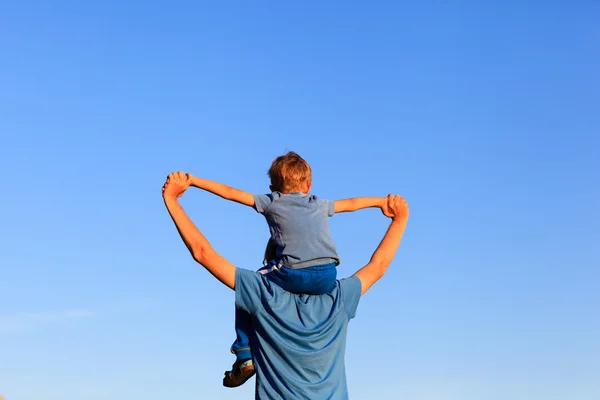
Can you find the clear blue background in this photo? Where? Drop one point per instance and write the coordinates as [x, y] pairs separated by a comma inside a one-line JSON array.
[[484, 115]]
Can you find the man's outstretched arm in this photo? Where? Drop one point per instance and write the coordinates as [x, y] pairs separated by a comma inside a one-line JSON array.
[[195, 241], [385, 252]]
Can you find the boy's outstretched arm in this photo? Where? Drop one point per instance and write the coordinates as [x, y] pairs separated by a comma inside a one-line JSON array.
[[358, 203], [221, 190], [224, 191]]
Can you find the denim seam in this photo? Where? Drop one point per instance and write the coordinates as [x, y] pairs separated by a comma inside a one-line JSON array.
[[238, 350]]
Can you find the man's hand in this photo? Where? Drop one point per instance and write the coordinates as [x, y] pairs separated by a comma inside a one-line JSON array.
[[176, 184], [397, 207], [385, 207]]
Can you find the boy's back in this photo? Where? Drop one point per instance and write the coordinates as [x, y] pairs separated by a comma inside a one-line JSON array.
[[299, 228]]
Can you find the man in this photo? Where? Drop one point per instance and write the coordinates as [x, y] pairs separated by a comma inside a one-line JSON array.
[[299, 339]]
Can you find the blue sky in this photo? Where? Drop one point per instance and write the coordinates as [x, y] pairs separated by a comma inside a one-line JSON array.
[[483, 115]]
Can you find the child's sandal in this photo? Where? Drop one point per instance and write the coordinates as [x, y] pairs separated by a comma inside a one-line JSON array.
[[241, 371]]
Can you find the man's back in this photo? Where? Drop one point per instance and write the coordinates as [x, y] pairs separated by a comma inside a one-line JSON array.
[[299, 340]]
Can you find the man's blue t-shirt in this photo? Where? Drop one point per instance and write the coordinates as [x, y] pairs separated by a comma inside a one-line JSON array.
[[299, 227], [299, 340]]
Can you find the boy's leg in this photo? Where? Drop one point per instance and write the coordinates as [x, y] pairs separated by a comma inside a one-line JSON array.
[[243, 368], [319, 279], [243, 326]]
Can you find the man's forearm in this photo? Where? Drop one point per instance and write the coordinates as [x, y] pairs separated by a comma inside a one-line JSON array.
[[199, 246], [194, 240], [383, 255], [358, 203], [385, 252], [224, 191]]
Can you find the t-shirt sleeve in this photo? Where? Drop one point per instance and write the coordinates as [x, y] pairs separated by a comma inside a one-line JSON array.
[[262, 202], [248, 289], [329, 206], [350, 290]]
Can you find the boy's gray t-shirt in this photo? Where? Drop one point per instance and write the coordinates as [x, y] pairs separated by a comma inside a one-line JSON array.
[[298, 340], [299, 226]]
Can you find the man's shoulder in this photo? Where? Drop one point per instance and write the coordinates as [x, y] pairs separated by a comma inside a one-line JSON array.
[[247, 277], [253, 284], [351, 283], [249, 289], [350, 290], [247, 281]]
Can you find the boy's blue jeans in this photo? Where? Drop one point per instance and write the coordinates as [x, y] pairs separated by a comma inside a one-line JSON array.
[[319, 279]]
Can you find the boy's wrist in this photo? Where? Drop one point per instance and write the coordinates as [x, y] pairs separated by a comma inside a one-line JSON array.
[[194, 181]]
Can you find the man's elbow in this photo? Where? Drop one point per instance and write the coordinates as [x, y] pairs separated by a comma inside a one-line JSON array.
[[201, 254], [379, 268]]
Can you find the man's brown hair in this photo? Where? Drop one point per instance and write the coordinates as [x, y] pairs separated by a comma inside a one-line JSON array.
[[289, 172]]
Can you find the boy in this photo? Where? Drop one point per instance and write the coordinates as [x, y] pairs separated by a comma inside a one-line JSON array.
[[300, 256]]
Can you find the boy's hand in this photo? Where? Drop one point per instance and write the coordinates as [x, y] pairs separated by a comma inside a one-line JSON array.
[[385, 208], [398, 207], [176, 184]]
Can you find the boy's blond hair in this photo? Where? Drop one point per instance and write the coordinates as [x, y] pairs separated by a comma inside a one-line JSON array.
[[289, 173]]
